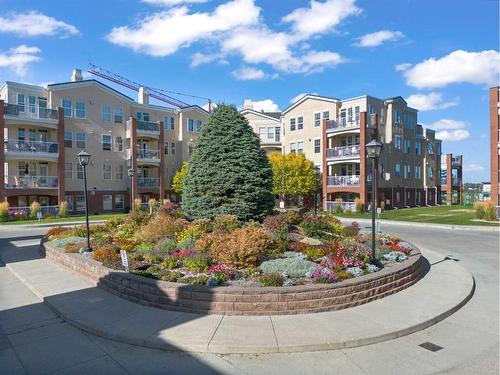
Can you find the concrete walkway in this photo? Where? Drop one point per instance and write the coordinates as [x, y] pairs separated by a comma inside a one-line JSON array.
[[444, 289]]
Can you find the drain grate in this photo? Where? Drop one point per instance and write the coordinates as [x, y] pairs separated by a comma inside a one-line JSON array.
[[430, 346]]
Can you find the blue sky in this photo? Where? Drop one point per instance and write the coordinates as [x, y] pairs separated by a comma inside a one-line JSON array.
[[439, 55]]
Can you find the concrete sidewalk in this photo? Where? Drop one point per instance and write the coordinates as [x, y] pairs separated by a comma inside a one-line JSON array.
[[443, 290]]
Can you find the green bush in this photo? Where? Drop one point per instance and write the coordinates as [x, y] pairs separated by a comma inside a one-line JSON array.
[[145, 274], [144, 246], [198, 263], [272, 279], [171, 276], [152, 258], [293, 217], [187, 244], [338, 205], [194, 280], [293, 267], [170, 263], [167, 246], [221, 277]]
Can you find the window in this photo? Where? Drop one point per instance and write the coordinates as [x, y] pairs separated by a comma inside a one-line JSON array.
[[118, 144], [199, 124], [262, 133], [107, 202], [21, 135], [270, 133], [68, 170], [106, 142], [119, 172], [172, 148], [172, 122], [407, 146], [326, 115], [431, 148], [68, 111], [190, 125], [68, 139], [293, 147], [79, 171], [430, 172], [397, 170], [142, 116], [106, 113], [119, 201], [118, 115], [166, 148], [80, 140], [317, 146], [397, 117], [20, 102], [407, 171], [32, 104], [43, 135], [418, 172], [397, 142], [80, 203], [292, 124], [317, 119], [342, 117], [32, 135], [349, 114], [438, 149], [356, 113], [371, 110], [300, 123], [300, 147], [80, 109], [418, 148], [165, 122], [106, 172], [69, 201], [277, 134]]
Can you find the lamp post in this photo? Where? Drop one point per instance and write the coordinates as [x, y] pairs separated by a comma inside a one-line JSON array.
[[131, 174], [373, 149], [316, 174], [83, 159]]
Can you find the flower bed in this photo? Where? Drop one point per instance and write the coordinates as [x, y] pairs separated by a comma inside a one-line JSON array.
[[223, 259]]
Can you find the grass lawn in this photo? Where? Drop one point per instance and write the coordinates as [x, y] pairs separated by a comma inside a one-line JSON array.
[[63, 220], [461, 215]]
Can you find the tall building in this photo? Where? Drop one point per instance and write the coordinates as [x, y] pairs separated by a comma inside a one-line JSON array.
[[495, 145], [451, 179], [45, 128], [333, 134], [266, 125]]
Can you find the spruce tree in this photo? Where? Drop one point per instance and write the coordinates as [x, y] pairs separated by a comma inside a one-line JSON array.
[[228, 172]]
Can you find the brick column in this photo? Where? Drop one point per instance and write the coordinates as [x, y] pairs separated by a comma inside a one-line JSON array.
[[2, 153], [132, 125], [161, 146], [363, 194], [494, 141], [449, 180], [324, 167], [61, 151]]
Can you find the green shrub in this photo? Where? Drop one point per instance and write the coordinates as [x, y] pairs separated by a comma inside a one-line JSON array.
[[194, 280], [272, 279], [152, 258], [314, 252], [226, 223], [293, 217], [198, 263], [145, 274], [221, 277], [277, 227], [187, 244], [359, 206], [251, 273], [343, 275], [170, 263], [338, 205], [171, 276], [293, 267], [144, 246], [167, 246]]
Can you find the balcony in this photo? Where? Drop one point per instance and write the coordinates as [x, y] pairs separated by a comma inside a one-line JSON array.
[[341, 125], [343, 152], [145, 129], [43, 151], [38, 115], [455, 181], [148, 182], [345, 206], [343, 180], [31, 182]]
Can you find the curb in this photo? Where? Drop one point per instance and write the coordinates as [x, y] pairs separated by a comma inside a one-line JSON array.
[[225, 349]]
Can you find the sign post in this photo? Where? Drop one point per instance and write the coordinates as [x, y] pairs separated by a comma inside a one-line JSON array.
[[124, 257], [39, 215], [379, 211]]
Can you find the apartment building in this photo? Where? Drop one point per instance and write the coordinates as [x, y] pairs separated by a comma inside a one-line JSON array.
[[333, 134], [266, 125], [45, 128], [451, 179], [495, 145]]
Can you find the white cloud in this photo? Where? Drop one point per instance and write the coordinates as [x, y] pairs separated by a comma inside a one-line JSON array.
[[165, 32], [169, 3], [427, 102], [249, 74], [266, 105], [18, 58], [458, 66], [450, 130], [299, 96], [320, 17], [34, 23], [201, 58], [473, 167], [402, 67], [377, 38]]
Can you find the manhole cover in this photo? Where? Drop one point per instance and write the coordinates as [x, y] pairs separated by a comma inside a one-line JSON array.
[[430, 346]]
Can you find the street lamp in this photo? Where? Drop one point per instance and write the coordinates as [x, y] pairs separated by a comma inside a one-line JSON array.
[[373, 149], [131, 174], [83, 159], [316, 174]]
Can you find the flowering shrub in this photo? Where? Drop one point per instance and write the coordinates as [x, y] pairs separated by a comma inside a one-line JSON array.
[[55, 232], [355, 271], [292, 267], [372, 268], [168, 208], [167, 246], [395, 256], [272, 279], [344, 275], [183, 253], [396, 246], [170, 263], [276, 226], [73, 247], [198, 263], [351, 230], [106, 253], [221, 268], [160, 227], [323, 275], [226, 223], [293, 217]]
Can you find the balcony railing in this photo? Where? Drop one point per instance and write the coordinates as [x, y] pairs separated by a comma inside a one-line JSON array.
[[455, 182], [13, 145], [148, 182], [341, 124], [343, 152], [39, 113], [148, 154], [32, 182], [345, 206], [147, 126], [25, 211], [343, 180]]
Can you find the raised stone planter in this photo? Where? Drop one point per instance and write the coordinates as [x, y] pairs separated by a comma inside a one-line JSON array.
[[244, 301]]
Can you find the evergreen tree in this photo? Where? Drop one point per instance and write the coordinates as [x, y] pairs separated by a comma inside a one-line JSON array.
[[228, 172]]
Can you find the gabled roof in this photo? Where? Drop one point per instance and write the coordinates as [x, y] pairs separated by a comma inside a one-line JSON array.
[[87, 82], [310, 96], [195, 107], [274, 116]]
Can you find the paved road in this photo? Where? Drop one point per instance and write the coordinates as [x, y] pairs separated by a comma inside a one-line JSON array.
[[33, 340]]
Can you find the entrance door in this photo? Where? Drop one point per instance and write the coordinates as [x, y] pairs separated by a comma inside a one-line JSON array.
[[43, 172]]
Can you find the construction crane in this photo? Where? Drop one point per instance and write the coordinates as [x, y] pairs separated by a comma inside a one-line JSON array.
[[153, 92]]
